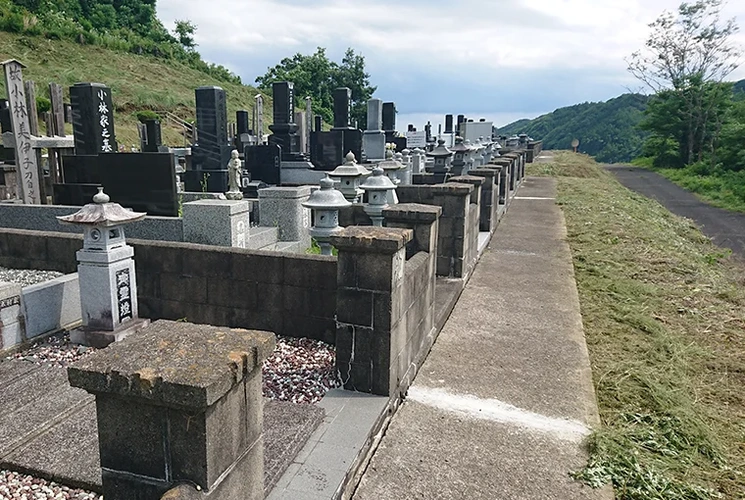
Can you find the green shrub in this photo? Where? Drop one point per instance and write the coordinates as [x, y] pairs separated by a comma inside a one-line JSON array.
[[146, 115]]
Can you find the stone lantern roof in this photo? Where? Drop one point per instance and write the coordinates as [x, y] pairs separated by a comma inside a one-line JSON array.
[[102, 213], [441, 151], [327, 198], [350, 168], [378, 181], [390, 163], [460, 146]]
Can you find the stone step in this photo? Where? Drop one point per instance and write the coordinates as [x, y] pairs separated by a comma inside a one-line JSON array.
[[260, 237]]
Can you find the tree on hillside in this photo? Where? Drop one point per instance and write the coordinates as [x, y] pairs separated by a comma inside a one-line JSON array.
[[316, 76], [184, 32], [685, 61]]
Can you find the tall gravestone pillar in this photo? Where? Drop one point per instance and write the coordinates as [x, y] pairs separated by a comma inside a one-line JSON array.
[[152, 137], [448, 124], [373, 140], [284, 129], [389, 120], [211, 153], [92, 119], [347, 138]]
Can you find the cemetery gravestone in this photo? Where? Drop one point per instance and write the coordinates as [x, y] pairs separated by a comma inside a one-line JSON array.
[[284, 129], [211, 153], [389, 120], [373, 140], [92, 119]]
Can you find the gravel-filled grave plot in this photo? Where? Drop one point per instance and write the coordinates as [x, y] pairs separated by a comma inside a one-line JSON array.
[[27, 277], [299, 371], [56, 350], [15, 486]]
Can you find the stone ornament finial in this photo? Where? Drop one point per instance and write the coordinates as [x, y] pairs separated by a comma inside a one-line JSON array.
[[101, 197]]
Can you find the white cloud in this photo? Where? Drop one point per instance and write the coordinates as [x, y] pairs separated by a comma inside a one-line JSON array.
[[462, 45]]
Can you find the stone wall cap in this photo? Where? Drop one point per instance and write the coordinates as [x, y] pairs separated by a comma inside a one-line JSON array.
[[285, 192], [468, 179], [372, 239], [232, 206], [453, 188], [486, 171], [174, 363], [414, 212]]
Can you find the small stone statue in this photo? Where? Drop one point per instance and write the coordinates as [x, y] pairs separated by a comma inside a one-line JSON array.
[[234, 177]]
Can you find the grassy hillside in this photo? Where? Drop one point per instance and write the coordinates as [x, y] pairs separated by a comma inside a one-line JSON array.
[[137, 82], [606, 130]]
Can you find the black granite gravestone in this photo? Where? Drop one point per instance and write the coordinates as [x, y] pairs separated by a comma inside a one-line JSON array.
[[211, 152], [263, 163], [284, 129], [389, 116], [92, 119], [152, 137], [241, 120], [318, 123], [7, 155], [460, 119], [342, 107], [144, 182], [448, 124]]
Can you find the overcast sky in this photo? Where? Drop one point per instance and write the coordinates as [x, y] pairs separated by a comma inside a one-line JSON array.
[[497, 59]]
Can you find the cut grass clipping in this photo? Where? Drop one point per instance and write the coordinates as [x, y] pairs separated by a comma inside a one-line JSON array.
[[663, 311]]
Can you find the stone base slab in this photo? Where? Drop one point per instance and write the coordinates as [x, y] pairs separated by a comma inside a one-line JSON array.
[[100, 339]]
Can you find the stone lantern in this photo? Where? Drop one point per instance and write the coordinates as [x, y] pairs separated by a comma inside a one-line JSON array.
[[394, 170], [379, 189], [391, 166], [350, 175], [106, 272], [460, 150], [441, 155], [325, 204]]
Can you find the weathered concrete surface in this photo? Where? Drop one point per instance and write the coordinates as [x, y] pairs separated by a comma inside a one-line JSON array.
[[724, 227], [48, 428], [502, 406]]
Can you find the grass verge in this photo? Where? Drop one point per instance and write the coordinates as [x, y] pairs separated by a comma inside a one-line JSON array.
[[663, 314]]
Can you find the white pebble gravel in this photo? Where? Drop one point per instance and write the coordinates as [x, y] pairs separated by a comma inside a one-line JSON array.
[[26, 277], [300, 370], [55, 350], [15, 486]]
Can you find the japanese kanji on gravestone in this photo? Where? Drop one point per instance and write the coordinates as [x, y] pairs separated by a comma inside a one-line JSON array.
[[92, 119], [27, 168]]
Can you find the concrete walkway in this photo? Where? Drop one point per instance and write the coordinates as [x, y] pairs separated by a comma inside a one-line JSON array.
[[503, 404]]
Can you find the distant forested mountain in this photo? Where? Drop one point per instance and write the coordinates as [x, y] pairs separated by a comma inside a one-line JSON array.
[[606, 130]]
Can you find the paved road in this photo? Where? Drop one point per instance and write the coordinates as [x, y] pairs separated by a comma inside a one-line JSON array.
[[725, 228]]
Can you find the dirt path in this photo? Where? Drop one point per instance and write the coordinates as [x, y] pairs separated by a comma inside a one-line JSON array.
[[725, 228]]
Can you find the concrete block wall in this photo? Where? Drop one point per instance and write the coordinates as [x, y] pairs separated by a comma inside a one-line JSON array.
[[385, 308], [288, 294], [457, 229]]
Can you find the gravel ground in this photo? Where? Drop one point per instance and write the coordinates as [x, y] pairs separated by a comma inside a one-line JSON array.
[[26, 277], [23, 487], [55, 350], [299, 370]]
